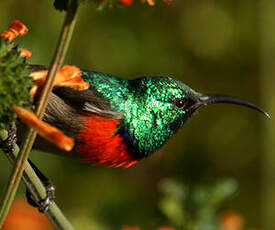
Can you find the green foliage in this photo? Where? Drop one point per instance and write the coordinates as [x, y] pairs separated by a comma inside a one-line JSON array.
[[195, 208], [14, 82]]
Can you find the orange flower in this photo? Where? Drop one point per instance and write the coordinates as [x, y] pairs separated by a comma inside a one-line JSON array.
[[165, 228], [16, 29], [67, 76], [231, 221], [24, 217], [150, 2], [130, 228]]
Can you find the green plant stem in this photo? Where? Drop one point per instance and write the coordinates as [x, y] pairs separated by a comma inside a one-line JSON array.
[[23, 155], [36, 187]]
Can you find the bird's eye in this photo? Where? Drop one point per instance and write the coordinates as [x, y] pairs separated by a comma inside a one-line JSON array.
[[180, 103], [184, 103]]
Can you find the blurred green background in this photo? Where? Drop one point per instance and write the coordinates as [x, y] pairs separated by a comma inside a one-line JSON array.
[[214, 46]]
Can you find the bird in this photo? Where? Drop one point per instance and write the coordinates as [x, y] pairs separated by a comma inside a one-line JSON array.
[[114, 121], [117, 122]]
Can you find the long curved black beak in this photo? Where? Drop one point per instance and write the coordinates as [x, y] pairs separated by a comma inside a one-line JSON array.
[[206, 99]]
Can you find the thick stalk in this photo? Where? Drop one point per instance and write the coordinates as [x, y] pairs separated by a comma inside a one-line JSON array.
[[21, 161]]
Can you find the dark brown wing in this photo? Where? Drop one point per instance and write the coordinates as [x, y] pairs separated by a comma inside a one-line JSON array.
[[67, 106], [34, 68]]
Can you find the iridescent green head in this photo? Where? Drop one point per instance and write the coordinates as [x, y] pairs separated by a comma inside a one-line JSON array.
[[156, 107]]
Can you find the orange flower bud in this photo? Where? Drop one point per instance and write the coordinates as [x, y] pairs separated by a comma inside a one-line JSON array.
[[25, 53]]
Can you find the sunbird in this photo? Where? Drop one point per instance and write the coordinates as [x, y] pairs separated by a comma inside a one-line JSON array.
[[117, 122]]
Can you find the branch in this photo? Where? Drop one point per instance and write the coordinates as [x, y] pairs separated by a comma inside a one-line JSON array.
[[37, 189]]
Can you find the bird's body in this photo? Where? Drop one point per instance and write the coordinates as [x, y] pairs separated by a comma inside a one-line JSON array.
[[117, 122]]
